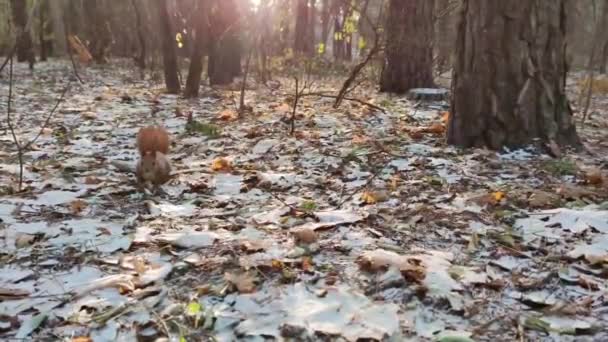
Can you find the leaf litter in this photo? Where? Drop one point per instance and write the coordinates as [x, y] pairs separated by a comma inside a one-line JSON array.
[[363, 225]]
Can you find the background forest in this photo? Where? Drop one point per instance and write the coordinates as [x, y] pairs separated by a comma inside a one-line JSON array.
[[321, 170]]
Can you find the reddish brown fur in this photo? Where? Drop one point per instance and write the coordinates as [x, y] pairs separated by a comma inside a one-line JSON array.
[[152, 139], [153, 165]]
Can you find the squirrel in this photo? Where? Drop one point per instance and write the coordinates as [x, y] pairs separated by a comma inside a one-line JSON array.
[[153, 165]]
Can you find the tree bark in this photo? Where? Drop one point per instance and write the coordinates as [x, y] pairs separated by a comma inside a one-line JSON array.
[[168, 48], [56, 12], [45, 30], [99, 30], [302, 36], [325, 19], [409, 48], [196, 59], [140, 59], [224, 48], [509, 75], [25, 47], [603, 29]]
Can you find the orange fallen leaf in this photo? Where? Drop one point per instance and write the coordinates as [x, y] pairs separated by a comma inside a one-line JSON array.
[[305, 235], [77, 206], [445, 117], [307, 264], [284, 107], [221, 164], [228, 115], [594, 176], [369, 197], [244, 283]]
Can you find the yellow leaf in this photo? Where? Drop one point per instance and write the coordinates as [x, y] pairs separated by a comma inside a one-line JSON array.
[[369, 197], [445, 116], [221, 164], [321, 49], [498, 196]]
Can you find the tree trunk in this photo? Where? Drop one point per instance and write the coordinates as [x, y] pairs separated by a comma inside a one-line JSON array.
[[510, 74], [56, 8], [196, 59], [312, 21], [325, 19], [301, 44], [603, 30], [445, 34], [168, 48], [25, 47], [45, 30], [140, 59], [99, 30], [224, 50], [409, 48]]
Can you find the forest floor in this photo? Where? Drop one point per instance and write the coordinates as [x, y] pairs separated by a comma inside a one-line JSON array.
[[363, 224]]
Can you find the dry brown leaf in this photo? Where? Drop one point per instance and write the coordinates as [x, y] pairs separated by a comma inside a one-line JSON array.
[[445, 117], [13, 294], [307, 264], [77, 206], [413, 270], [594, 176], [243, 282], [359, 139], [435, 128], [89, 115], [283, 107], [305, 235], [92, 180], [82, 339], [252, 246], [221, 164], [567, 191], [139, 265], [415, 135], [228, 115], [542, 199]]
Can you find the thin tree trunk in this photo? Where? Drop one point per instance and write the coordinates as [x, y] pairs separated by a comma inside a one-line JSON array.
[[510, 74], [168, 48], [99, 31], [301, 34], [196, 60]]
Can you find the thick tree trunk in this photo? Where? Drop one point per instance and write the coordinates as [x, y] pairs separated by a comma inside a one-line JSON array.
[[99, 30], [224, 50], [168, 48], [301, 44], [56, 8], [196, 59], [409, 48], [140, 59], [510, 75], [25, 47]]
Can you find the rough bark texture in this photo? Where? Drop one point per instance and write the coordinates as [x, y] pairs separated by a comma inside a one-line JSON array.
[[196, 59], [409, 52], [25, 47], [168, 48], [224, 48], [509, 75], [45, 31]]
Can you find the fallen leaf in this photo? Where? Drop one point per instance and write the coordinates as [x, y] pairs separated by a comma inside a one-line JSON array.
[[89, 115], [221, 164], [369, 197], [594, 176], [445, 117], [243, 282], [77, 206], [305, 235], [284, 107], [82, 339], [91, 180], [24, 240], [228, 115]]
